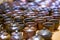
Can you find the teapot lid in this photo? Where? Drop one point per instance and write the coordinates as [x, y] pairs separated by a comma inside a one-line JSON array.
[[29, 29], [37, 37], [45, 33]]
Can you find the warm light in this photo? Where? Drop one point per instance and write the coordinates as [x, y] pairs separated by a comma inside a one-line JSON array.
[[59, 28]]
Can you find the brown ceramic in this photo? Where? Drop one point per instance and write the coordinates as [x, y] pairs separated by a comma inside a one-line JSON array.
[[49, 25], [56, 21], [5, 36], [31, 24], [56, 15], [40, 21], [28, 32], [48, 17]]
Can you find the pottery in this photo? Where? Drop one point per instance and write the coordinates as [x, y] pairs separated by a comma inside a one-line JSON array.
[[49, 25], [28, 32], [16, 35], [45, 33]]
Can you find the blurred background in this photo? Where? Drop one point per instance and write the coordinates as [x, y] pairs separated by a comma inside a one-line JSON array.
[[1, 1], [56, 35]]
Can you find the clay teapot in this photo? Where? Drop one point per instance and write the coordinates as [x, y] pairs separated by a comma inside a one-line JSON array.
[[45, 33]]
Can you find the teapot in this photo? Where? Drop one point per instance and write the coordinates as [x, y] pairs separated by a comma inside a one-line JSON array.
[[28, 32], [16, 35], [45, 33]]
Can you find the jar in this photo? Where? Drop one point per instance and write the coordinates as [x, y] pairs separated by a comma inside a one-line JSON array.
[[40, 14], [21, 26], [56, 15], [6, 4], [14, 14], [49, 25], [19, 17], [1, 11], [23, 7], [28, 20], [12, 27], [2, 8], [45, 33], [5, 36], [36, 37], [48, 18], [44, 10], [56, 21], [16, 7], [16, 35], [7, 19], [7, 8], [35, 9], [16, 4], [31, 4], [30, 1], [9, 13], [55, 9], [1, 19], [28, 32], [1, 27], [40, 21], [31, 24], [18, 20], [30, 14], [20, 13]]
